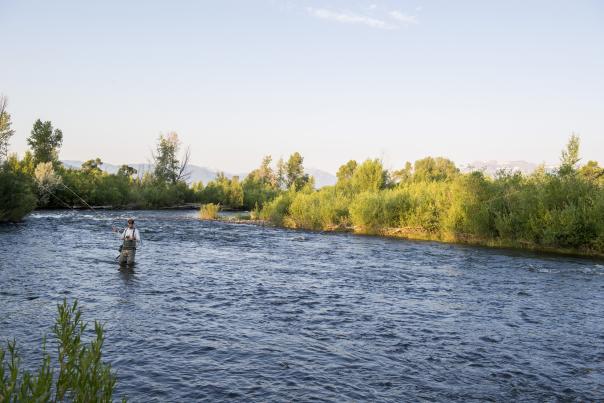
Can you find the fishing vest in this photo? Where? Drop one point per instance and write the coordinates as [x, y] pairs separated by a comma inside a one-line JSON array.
[[129, 244]]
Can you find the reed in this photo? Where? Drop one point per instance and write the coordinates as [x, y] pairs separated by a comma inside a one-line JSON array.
[[209, 211]]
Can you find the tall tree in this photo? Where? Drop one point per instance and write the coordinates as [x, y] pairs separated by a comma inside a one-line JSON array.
[[570, 156], [263, 174], [294, 171], [45, 142], [5, 128], [370, 176], [346, 171], [280, 175], [167, 166], [434, 169]]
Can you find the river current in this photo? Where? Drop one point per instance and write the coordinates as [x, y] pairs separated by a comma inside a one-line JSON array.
[[215, 311]]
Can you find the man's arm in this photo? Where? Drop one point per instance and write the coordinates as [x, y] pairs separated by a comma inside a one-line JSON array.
[[119, 234]]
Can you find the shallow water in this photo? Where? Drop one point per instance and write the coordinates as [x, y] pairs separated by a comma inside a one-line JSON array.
[[217, 311]]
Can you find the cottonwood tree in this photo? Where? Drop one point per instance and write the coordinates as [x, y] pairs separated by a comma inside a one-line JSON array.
[[167, 166], [264, 174], [45, 142], [369, 176], [91, 166], [126, 170], [434, 170], [294, 171], [570, 156], [5, 128]]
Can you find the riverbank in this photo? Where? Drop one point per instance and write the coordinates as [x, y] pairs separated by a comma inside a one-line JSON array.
[[417, 234]]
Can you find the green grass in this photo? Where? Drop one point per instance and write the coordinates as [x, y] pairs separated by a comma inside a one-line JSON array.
[[209, 211]]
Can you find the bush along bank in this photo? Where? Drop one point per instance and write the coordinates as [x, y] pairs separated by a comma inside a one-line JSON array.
[[560, 211]]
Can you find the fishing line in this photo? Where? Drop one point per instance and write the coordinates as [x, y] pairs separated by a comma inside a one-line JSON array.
[[47, 189]]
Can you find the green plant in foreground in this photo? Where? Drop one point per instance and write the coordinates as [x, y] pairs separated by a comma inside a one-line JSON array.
[[81, 376]]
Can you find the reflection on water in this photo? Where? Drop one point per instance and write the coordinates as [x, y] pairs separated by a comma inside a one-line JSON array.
[[214, 311]]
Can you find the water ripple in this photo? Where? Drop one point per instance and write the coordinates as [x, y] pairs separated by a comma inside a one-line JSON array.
[[240, 312]]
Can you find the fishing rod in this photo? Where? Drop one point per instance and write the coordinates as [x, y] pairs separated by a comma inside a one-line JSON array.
[[47, 189]]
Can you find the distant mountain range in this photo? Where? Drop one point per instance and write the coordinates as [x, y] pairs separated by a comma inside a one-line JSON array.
[[205, 175]]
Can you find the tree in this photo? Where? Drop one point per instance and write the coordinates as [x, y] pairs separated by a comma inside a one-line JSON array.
[[294, 171], [346, 171], [5, 129], [92, 166], [592, 172], [16, 194], [280, 176], [369, 176], [570, 156], [434, 169], [264, 174], [126, 170], [403, 175], [167, 167], [45, 142]]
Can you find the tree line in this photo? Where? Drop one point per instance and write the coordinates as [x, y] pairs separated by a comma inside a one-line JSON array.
[[428, 199], [40, 180], [562, 210]]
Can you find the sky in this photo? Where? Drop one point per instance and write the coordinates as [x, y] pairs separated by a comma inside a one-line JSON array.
[[333, 80]]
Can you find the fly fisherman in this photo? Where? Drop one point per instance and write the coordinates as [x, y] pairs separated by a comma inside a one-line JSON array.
[[131, 238]]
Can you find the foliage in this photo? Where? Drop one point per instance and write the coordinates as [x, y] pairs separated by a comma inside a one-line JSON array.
[[224, 191], [294, 172], [92, 166], [5, 129], [324, 209], [373, 211], [209, 211], [167, 166], [46, 180], [370, 176], [127, 171], [45, 142], [276, 210], [570, 156], [82, 376], [561, 210], [17, 198], [434, 169]]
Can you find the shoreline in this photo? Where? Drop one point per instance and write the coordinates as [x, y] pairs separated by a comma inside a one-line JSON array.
[[414, 235]]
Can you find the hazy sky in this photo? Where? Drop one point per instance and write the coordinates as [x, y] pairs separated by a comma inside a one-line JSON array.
[[334, 80]]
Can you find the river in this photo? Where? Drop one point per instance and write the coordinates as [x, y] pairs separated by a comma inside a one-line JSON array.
[[216, 311]]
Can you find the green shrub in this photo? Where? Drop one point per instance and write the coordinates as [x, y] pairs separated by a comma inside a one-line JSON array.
[[323, 209], [276, 210], [372, 211], [209, 211], [468, 212], [428, 203], [17, 198], [82, 376]]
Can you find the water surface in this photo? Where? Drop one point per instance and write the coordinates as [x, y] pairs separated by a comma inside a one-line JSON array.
[[217, 311]]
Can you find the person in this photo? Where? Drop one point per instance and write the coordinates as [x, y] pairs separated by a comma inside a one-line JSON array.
[[131, 237]]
